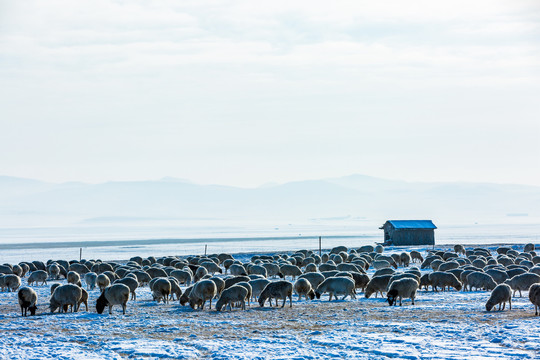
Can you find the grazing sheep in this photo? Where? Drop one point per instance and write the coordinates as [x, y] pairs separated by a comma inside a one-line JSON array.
[[499, 296], [220, 284], [459, 249], [211, 267], [381, 264], [499, 276], [200, 273], [257, 270], [447, 266], [27, 300], [248, 288], [277, 290], [315, 278], [64, 296], [90, 280], [237, 269], [379, 249], [302, 287], [161, 289], [54, 271], [534, 297], [337, 286], [234, 294], [102, 281], [257, 286], [377, 284], [81, 269], [425, 282], [131, 283], [175, 288], [235, 280], [416, 256], [405, 259], [443, 279], [202, 291], [328, 266], [38, 276], [522, 282], [528, 247], [12, 282], [116, 294], [183, 276], [401, 288], [290, 270], [184, 299], [480, 280], [142, 277], [385, 271], [272, 270], [74, 278]]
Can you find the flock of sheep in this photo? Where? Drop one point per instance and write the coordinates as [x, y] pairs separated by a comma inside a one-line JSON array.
[[340, 272]]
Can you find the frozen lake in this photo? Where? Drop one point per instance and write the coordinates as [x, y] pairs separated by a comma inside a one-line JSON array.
[[122, 242]]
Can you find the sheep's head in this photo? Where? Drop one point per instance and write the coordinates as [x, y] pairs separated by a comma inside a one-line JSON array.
[[368, 292], [280, 275], [489, 306], [392, 297], [311, 294], [32, 309], [262, 300], [101, 303], [458, 286], [53, 305], [219, 305], [318, 294]]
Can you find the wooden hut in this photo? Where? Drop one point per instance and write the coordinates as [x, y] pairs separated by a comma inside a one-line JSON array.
[[409, 232]]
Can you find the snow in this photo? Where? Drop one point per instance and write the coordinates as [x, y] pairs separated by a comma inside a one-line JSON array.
[[442, 325]]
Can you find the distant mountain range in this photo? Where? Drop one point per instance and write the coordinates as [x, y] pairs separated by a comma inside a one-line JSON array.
[[25, 202]]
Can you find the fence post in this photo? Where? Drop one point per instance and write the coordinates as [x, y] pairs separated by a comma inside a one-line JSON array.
[[80, 254], [205, 247], [320, 250]]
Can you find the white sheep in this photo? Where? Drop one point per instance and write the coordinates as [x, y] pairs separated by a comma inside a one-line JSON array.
[[12, 282], [499, 296], [444, 279], [161, 289], [290, 270], [480, 280], [234, 294], [74, 278], [131, 283], [202, 291], [337, 286], [90, 280], [237, 269], [315, 278], [257, 286], [302, 287], [64, 296], [116, 294], [277, 290], [183, 276], [377, 284], [27, 300], [401, 288], [522, 282], [102, 281]]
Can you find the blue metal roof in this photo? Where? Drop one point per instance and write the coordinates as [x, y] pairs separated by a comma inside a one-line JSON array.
[[412, 224]]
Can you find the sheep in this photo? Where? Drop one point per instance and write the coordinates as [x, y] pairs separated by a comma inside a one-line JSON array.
[[81, 269], [290, 270], [401, 288], [17, 270], [74, 278], [102, 281], [184, 299], [499, 296], [379, 249], [64, 296], [183, 276], [161, 289], [257, 286], [425, 282], [528, 247], [315, 278], [12, 282], [116, 294], [277, 290], [534, 297], [234, 294], [54, 271], [443, 279], [235, 280], [272, 270], [405, 259], [27, 300], [328, 266], [131, 283], [360, 280], [415, 255], [499, 276], [202, 291], [237, 269], [459, 249], [248, 288], [480, 280], [385, 271], [335, 286], [377, 284], [257, 270], [211, 267], [302, 286], [142, 277], [90, 280], [381, 264], [175, 288], [522, 282], [220, 284]]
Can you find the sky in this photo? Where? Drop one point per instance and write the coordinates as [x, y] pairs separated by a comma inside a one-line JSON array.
[[249, 92]]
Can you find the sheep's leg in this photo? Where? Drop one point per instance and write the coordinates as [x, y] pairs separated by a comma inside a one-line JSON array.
[[330, 297], [510, 303], [243, 305], [284, 301], [520, 293], [400, 298], [124, 305], [343, 298], [110, 309], [290, 299]]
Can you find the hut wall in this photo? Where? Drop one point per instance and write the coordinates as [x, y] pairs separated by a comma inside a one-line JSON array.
[[413, 237]]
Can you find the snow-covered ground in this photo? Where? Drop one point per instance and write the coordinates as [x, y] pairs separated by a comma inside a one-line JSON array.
[[449, 325]]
